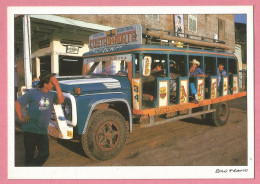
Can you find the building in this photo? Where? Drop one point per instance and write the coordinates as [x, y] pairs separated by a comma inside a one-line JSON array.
[[58, 41], [241, 52]]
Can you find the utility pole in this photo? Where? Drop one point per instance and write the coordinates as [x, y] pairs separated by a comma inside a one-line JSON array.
[[27, 51]]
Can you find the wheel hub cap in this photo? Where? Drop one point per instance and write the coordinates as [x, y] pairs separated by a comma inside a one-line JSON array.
[[107, 136]]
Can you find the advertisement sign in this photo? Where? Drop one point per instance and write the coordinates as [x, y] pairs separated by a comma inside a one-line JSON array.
[[179, 25], [235, 84], [136, 91], [184, 91], [213, 88], [72, 49], [200, 89], [225, 86], [163, 93], [147, 65], [121, 36]]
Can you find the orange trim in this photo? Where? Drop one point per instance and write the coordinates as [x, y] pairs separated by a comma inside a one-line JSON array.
[[138, 93], [154, 49], [180, 107], [129, 67]]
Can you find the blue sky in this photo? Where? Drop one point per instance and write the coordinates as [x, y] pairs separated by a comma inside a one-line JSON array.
[[240, 18]]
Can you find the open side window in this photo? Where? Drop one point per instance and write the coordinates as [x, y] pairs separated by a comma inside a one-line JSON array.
[[232, 66], [178, 66], [222, 61], [210, 66], [154, 66]]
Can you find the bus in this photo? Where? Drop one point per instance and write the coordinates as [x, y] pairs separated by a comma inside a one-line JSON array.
[[138, 75]]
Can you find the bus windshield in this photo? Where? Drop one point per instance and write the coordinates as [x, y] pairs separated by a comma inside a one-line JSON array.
[[105, 67]]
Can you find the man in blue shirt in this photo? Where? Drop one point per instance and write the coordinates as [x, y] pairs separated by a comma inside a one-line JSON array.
[[35, 123], [195, 72], [220, 72]]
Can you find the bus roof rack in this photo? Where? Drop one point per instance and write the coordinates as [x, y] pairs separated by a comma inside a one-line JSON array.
[[171, 38]]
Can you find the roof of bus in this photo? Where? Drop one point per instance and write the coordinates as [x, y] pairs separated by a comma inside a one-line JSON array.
[[153, 49]]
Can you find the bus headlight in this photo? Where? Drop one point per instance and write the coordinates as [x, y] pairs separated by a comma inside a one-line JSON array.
[[66, 106]]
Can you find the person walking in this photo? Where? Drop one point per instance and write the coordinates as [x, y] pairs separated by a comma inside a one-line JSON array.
[[35, 123]]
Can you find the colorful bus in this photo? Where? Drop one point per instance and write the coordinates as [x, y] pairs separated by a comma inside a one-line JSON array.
[[135, 75]]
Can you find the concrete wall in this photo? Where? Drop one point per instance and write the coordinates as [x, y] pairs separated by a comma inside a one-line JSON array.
[[207, 24], [152, 21], [56, 48]]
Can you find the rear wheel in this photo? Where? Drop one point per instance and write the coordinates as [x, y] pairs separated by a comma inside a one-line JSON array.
[[220, 117], [105, 135]]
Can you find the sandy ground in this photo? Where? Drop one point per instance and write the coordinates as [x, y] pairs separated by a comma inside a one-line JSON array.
[[189, 142]]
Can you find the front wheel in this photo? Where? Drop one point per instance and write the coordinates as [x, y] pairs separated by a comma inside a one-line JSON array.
[[105, 135], [220, 117]]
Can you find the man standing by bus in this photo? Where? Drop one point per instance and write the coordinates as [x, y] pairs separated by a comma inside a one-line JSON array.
[[195, 72], [35, 123]]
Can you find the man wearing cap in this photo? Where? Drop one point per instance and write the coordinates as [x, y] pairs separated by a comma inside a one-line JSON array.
[[195, 72], [35, 123]]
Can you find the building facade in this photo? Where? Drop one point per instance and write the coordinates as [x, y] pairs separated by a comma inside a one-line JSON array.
[[59, 41]]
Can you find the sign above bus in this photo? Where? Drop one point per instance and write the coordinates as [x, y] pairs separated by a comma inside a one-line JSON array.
[[122, 36]]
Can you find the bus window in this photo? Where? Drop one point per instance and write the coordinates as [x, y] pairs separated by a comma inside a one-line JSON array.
[[123, 66], [158, 69], [223, 62], [210, 66], [232, 66], [158, 61], [178, 66]]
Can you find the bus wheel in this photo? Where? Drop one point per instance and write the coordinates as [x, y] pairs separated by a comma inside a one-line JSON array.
[[220, 117], [105, 135]]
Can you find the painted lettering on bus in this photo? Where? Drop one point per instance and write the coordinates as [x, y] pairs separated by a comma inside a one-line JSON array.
[[110, 40], [171, 109]]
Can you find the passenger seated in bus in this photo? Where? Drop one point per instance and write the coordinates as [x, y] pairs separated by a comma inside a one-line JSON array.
[[220, 71], [157, 71], [194, 72], [173, 76]]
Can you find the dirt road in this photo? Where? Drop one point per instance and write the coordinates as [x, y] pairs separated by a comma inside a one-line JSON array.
[[189, 142]]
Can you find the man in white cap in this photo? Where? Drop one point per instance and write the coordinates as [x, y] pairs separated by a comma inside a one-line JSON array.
[[195, 72]]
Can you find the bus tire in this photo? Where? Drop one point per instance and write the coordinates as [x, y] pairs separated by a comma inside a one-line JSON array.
[[105, 135], [220, 117]]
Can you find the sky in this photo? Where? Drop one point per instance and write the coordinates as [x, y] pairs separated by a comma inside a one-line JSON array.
[[240, 18]]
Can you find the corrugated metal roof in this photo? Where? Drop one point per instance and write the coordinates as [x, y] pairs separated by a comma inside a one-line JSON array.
[[68, 21]]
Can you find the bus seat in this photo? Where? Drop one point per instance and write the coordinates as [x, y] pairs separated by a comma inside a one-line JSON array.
[[148, 97]]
